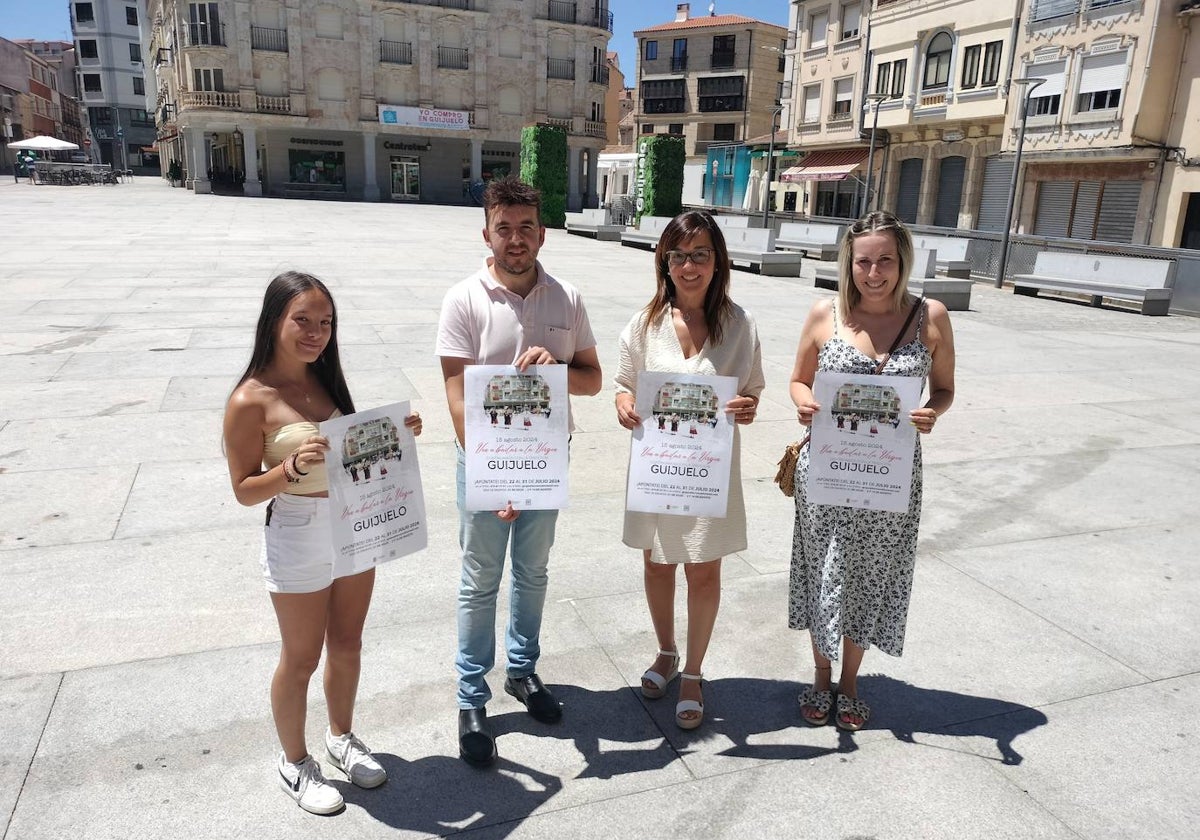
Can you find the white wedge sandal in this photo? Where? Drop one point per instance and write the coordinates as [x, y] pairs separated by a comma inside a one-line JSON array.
[[689, 706], [659, 681]]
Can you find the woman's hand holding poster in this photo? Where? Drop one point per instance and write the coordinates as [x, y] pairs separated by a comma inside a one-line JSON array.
[[376, 504], [862, 446], [679, 457]]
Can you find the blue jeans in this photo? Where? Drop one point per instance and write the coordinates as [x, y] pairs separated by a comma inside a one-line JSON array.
[[484, 539]]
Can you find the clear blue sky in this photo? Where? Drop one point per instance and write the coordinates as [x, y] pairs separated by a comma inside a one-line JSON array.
[[48, 19]]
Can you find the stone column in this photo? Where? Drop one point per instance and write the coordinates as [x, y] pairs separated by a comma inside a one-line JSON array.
[[252, 185], [476, 159], [199, 162], [370, 176]]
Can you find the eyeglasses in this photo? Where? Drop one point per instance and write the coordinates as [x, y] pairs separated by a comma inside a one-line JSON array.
[[700, 256]]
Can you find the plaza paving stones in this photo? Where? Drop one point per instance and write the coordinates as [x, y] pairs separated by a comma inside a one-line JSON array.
[[1049, 685]]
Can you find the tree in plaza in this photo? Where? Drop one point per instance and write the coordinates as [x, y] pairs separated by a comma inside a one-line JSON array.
[[544, 165], [659, 183]]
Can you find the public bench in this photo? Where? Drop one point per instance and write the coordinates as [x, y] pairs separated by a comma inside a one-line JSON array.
[[1099, 276], [953, 253], [953, 292], [755, 248], [728, 223], [646, 234], [597, 224], [812, 238]]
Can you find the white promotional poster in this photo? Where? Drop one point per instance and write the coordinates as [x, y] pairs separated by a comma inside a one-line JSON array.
[[376, 504], [680, 456], [517, 429], [862, 447]]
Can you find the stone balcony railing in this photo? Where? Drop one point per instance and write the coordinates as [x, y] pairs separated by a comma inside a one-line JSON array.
[[273, 104], [224, 100], [593, 128]]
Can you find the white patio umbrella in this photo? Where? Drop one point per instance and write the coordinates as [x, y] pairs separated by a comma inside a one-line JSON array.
[[42, 143]]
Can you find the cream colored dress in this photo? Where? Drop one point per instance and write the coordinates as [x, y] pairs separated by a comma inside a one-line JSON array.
[[692, 539]]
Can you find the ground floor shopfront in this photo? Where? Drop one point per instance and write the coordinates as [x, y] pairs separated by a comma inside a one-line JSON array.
[[430, 166]]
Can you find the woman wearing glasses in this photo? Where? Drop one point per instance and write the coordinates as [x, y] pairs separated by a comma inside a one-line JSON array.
[[690, 326]]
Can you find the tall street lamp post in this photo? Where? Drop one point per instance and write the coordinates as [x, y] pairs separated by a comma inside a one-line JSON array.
[[766, 217], [877, 99], [1016, 173]]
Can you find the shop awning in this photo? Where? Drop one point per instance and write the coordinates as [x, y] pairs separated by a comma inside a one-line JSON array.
[[828, 165]]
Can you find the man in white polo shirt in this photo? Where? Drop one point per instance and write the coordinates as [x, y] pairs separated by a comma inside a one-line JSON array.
[[509, 312]]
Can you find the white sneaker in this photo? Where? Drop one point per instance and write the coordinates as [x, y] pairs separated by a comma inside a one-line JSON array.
[[305, 783], [351, 756]]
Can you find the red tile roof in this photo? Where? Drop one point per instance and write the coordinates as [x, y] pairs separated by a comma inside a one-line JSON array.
[[708, 20]]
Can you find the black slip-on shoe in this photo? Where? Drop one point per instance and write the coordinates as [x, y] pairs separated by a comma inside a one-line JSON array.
[[476, 745], [537, 698]]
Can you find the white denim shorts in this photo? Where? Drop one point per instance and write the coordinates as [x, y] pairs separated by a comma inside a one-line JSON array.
[[297, 552]]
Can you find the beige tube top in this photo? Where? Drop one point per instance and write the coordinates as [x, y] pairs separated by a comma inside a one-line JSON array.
[[282, 442]]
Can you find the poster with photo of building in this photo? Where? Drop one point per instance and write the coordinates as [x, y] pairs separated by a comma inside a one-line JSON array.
[[862, 446], [679, 457], [376, 503], [517, 428]]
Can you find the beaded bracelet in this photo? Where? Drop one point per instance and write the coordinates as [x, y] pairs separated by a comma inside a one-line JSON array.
[[288, 471]]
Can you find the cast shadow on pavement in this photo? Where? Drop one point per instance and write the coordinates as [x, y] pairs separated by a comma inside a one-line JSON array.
[[907, 709]]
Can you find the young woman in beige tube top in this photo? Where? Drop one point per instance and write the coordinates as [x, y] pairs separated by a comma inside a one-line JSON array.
[[293, 382]]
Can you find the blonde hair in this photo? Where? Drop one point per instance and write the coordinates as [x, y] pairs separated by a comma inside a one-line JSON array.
[[877, 222]]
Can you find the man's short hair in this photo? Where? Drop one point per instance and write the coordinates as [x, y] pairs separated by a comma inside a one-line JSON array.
[[510, 191]]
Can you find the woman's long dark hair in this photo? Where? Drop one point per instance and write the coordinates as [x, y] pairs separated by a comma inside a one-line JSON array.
[[328, 366], [717, 305]]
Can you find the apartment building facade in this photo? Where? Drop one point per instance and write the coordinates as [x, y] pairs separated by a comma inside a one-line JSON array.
[[60, 57], [31, 103], [1099, 128], [713, 80], [373, 100], [112, 82], [1106, 145]]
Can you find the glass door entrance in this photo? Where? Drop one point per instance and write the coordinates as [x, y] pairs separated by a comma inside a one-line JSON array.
[[406, 178]]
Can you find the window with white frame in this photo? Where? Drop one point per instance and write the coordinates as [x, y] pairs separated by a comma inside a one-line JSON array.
[[991, 63], [1101, 81], [818, 26], [937, 61], [204, 78], [1047, 97], [883, 73], [843, 92], [899, 73], [851, 20], [970, 66], [812, 104]]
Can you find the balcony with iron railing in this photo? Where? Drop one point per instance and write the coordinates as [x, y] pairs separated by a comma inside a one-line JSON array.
[[678, 63], [395, 52], [561, 11], [223, 100], [453, 58], [267, 39], [205, 35], [722, 59], [600, 74], [560, 68]]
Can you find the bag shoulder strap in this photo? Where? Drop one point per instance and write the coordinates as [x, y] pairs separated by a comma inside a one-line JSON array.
[[912, 313]]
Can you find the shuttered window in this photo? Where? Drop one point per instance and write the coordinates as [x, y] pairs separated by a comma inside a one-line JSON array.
[[1099, 210], [1055, 199], [817, 26], [812, 104], [908, 196], [993, 199], [851, 20], [1118, 211], [951, 174]]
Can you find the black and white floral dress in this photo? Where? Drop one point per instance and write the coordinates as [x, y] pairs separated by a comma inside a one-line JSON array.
[[852, 569]]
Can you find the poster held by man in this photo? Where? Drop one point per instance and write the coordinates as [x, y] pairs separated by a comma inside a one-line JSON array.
[[516, 425]]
